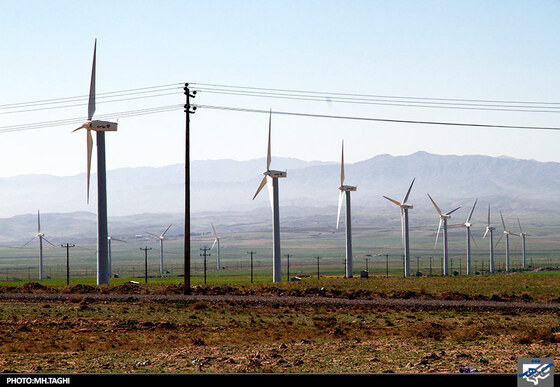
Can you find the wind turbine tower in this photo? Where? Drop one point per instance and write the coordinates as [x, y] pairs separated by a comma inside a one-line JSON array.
[[271, 180], [346, 189], [109, 240], [443, 217], [100, 127], [507, 233], [522, 235], [490, 229], [468, 226], [161, 237], [41, 236], [217, 243], [404, 206]]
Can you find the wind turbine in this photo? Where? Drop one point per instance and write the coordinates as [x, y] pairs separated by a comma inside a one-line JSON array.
[[41, 236], [522, 235], [346, 189], [216, 242], [443, 220], [468, 226], [271, 180], [109, 240], [404, 206], [507, 233], [100, 127], [490, 229], [161, 238]]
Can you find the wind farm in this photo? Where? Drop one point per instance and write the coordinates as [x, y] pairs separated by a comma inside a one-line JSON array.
[[450, 124]]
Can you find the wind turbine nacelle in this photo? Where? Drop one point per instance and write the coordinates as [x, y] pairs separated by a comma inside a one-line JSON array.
[[103, 126], [407, 206], [276, 174], [347, 188], [468, 224]]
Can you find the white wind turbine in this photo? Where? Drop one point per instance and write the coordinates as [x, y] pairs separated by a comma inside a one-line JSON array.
[[507, 233], [109, 240], [490, 229], [346, 189], [100, 127], [404, 206], [216, 242], [443, 220], [271, 180], [41, 237], [523, 235], [161, 238], [468, 226]]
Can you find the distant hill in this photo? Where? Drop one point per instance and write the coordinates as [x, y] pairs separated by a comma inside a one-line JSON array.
[[510, 185]]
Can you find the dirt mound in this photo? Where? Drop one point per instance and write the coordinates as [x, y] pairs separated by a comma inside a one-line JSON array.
[[80, 289]]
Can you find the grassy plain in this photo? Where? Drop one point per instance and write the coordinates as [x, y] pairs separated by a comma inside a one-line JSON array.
[[81, 335]]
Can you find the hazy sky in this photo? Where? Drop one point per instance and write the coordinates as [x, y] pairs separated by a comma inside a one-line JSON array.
[[476, 50]]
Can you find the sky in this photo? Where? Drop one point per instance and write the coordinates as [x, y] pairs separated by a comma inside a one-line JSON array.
[[451, 50]]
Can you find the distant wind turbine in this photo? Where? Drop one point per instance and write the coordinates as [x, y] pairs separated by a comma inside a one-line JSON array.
[[271, 180], [507, 233], [161, 238], [109, 240], [443, 217], [100, 127], [490, 229], [404, 206], [346, 189], [468, 226], [523, 235], [216, 242], [41, 236]]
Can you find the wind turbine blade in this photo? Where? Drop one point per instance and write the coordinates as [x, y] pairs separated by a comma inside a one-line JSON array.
[[503, 223], [519, 223], [154, 235], [167, 229], [402, 227], [485, 233], [392, 200], [215, 240], [435, 205], [89, 152], [488, 215], [91, 104], [117, 239], [340, 198], [263, 182], [270, 192], [342, 166], [46, 240], [452, 211], [269, 151], [470, 215], [28, 242], [499, 239], [38, 222], [408, 192], [472, 237], [214, 230], [456, 225], [437, 234]]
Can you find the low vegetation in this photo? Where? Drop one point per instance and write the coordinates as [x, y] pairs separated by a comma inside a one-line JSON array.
[[83, 335]]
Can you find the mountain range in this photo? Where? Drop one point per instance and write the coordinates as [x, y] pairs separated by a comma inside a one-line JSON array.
[[221, 186]]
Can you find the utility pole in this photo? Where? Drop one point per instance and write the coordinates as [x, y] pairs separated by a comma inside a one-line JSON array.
[[68, 246], [288, 257], [187, 243], [387, 264], [430, 266], [252, 253], [205, 254], [145, 262], [318, 258]]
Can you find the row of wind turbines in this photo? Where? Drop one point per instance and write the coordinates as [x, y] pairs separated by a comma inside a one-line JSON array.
[[271, 180]]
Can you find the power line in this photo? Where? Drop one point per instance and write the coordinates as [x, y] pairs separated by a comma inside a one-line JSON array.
[[361, 118]]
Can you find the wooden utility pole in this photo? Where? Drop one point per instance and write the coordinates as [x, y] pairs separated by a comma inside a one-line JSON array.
[[145, 249], [68, 246], [318, 258], [205, 254], [187, 244], [252, 253]]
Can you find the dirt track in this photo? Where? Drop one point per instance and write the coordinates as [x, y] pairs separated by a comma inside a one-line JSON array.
[[255, 300]]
